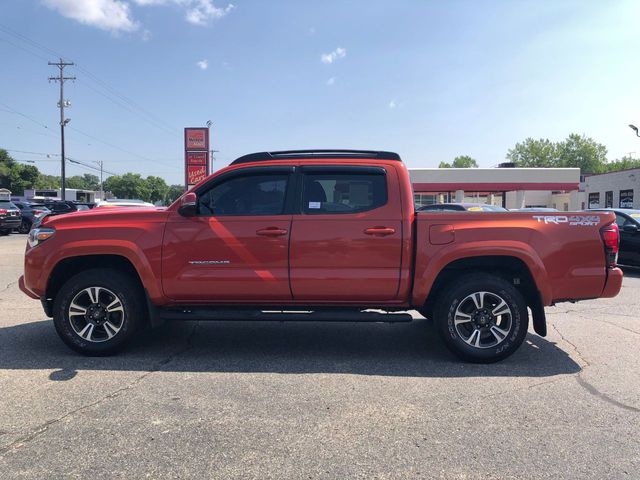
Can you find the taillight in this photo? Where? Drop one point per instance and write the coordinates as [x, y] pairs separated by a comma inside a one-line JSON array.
[[611, 239], [3, 211], [37, 212]]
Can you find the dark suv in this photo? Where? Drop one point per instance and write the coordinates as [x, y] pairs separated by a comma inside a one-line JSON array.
[[10, 217], [30, 212]]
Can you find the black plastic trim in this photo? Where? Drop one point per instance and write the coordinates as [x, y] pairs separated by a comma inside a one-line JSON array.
[[323, 153]]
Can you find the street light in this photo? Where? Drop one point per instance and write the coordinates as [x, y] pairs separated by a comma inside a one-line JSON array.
[[635, 129]]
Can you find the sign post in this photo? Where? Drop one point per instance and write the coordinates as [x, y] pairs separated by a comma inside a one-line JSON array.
[[196, 155]]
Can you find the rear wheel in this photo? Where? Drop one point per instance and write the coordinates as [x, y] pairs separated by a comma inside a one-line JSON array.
[[4, 232], [482, 318], [24, 227], [96, 312]]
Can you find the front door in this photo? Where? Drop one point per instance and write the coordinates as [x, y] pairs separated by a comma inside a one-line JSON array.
[[236, 248], [346, 241]]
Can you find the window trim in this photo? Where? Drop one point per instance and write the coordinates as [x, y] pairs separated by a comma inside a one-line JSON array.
[[284, 170], [341, 170]]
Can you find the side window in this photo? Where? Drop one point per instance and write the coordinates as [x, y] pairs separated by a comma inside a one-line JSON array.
[[245, 195], [620, 220], [343, 192]]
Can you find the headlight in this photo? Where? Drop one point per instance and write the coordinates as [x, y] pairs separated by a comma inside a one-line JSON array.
[[39, 235]]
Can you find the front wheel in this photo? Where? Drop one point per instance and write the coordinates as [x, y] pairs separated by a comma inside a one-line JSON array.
[[96, 312], [482, 318]]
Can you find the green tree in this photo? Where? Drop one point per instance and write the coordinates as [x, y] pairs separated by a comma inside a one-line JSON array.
[[84, 182], [623, 163], [14, 176], [582, 152], [534, 153], [173, 192], [129, 185], [47, 181], [158, 188], [575, 151], [461, 161]]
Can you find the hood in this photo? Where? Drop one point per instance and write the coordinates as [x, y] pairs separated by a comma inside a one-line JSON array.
[[113, 215]]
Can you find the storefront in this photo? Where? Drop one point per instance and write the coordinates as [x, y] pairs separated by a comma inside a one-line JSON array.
[[507, 187], [614, 190]]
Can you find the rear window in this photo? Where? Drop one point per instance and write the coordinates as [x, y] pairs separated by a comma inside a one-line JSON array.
[[343, 192], [6, 204]]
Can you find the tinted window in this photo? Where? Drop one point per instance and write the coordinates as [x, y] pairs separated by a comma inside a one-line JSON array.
[[343, 192], [245, 195]]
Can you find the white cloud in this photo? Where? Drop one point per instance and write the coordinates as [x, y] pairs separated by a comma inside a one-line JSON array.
[[392, 104], [331, 57], [200, 12], [146, 35], [331, 81], [203, 64], [111, 15]]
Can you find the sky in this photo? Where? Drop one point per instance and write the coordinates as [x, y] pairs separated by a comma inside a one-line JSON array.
[[427, 79]]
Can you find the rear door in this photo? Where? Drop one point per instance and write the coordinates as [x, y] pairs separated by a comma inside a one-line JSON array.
[[236, 248], [346, 238]]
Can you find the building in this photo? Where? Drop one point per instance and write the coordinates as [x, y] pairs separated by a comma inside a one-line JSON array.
[[5, 194], [72, 194], [507, 187], [615, 189]]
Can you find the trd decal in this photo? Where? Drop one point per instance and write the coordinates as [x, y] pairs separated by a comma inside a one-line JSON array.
[[209, 262], [573, 220]]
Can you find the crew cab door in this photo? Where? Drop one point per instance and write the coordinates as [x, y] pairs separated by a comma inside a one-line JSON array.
[[346, 238], [236, 247]]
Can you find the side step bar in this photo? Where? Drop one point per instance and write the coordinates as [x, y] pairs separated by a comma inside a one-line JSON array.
[[200, 313]]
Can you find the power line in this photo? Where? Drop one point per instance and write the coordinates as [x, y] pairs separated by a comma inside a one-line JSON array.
[[134, 107]]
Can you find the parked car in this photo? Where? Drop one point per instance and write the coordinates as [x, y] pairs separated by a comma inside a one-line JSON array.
[[311, 231], [115, 202], [59, 207], [10, 217], [30, 213], [84, 205], [629, 224], [461, 207]]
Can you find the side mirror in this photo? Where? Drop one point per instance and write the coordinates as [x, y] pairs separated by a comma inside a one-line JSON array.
[[630, 228], [188, 205]]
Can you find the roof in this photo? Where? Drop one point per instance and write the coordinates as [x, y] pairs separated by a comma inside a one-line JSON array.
[[326, 153]]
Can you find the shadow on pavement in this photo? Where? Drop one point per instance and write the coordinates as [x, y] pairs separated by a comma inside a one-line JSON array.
[[407, 349]]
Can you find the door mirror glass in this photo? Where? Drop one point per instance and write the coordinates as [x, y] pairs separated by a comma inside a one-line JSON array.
[[188, 205]]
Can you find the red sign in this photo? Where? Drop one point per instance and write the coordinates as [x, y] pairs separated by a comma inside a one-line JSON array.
[[196, 139], [196, 154], [197, 158], [196, 173]]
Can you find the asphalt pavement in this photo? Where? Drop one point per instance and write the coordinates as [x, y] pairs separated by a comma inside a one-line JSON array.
[[319, 400]]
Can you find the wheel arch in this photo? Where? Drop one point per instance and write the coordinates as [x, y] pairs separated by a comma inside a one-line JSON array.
[[70, 266], [510, 268]]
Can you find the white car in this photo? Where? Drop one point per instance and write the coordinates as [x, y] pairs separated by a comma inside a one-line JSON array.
[[123, 203]]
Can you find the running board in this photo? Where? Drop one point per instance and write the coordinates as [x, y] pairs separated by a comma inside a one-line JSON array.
[[281, 316]]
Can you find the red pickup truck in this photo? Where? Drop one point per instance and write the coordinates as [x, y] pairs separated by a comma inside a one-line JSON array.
[[316, 235]]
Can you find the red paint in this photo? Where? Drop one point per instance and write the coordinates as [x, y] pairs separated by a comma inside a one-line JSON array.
[[386, 257]]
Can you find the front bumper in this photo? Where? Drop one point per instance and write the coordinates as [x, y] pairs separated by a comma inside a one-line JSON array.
[[24, 288], [613, 284]]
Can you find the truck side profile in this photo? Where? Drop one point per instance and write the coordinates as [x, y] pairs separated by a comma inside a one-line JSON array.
[[316, 231]]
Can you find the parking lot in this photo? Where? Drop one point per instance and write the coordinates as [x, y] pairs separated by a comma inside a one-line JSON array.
[[319, 400]]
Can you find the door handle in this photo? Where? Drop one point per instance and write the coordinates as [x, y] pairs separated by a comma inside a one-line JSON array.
[[380, 231], [272, 232]]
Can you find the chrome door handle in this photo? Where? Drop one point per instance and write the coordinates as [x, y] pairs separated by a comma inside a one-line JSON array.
[[380, 231], [272, 232]]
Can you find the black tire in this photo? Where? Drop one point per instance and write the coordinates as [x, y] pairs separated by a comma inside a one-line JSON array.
[[25, 226], [481, 339], [100, 340], [4, 233]]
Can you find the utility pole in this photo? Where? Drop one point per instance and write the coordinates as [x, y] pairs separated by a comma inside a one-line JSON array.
[[62, 104], [101, 164]]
